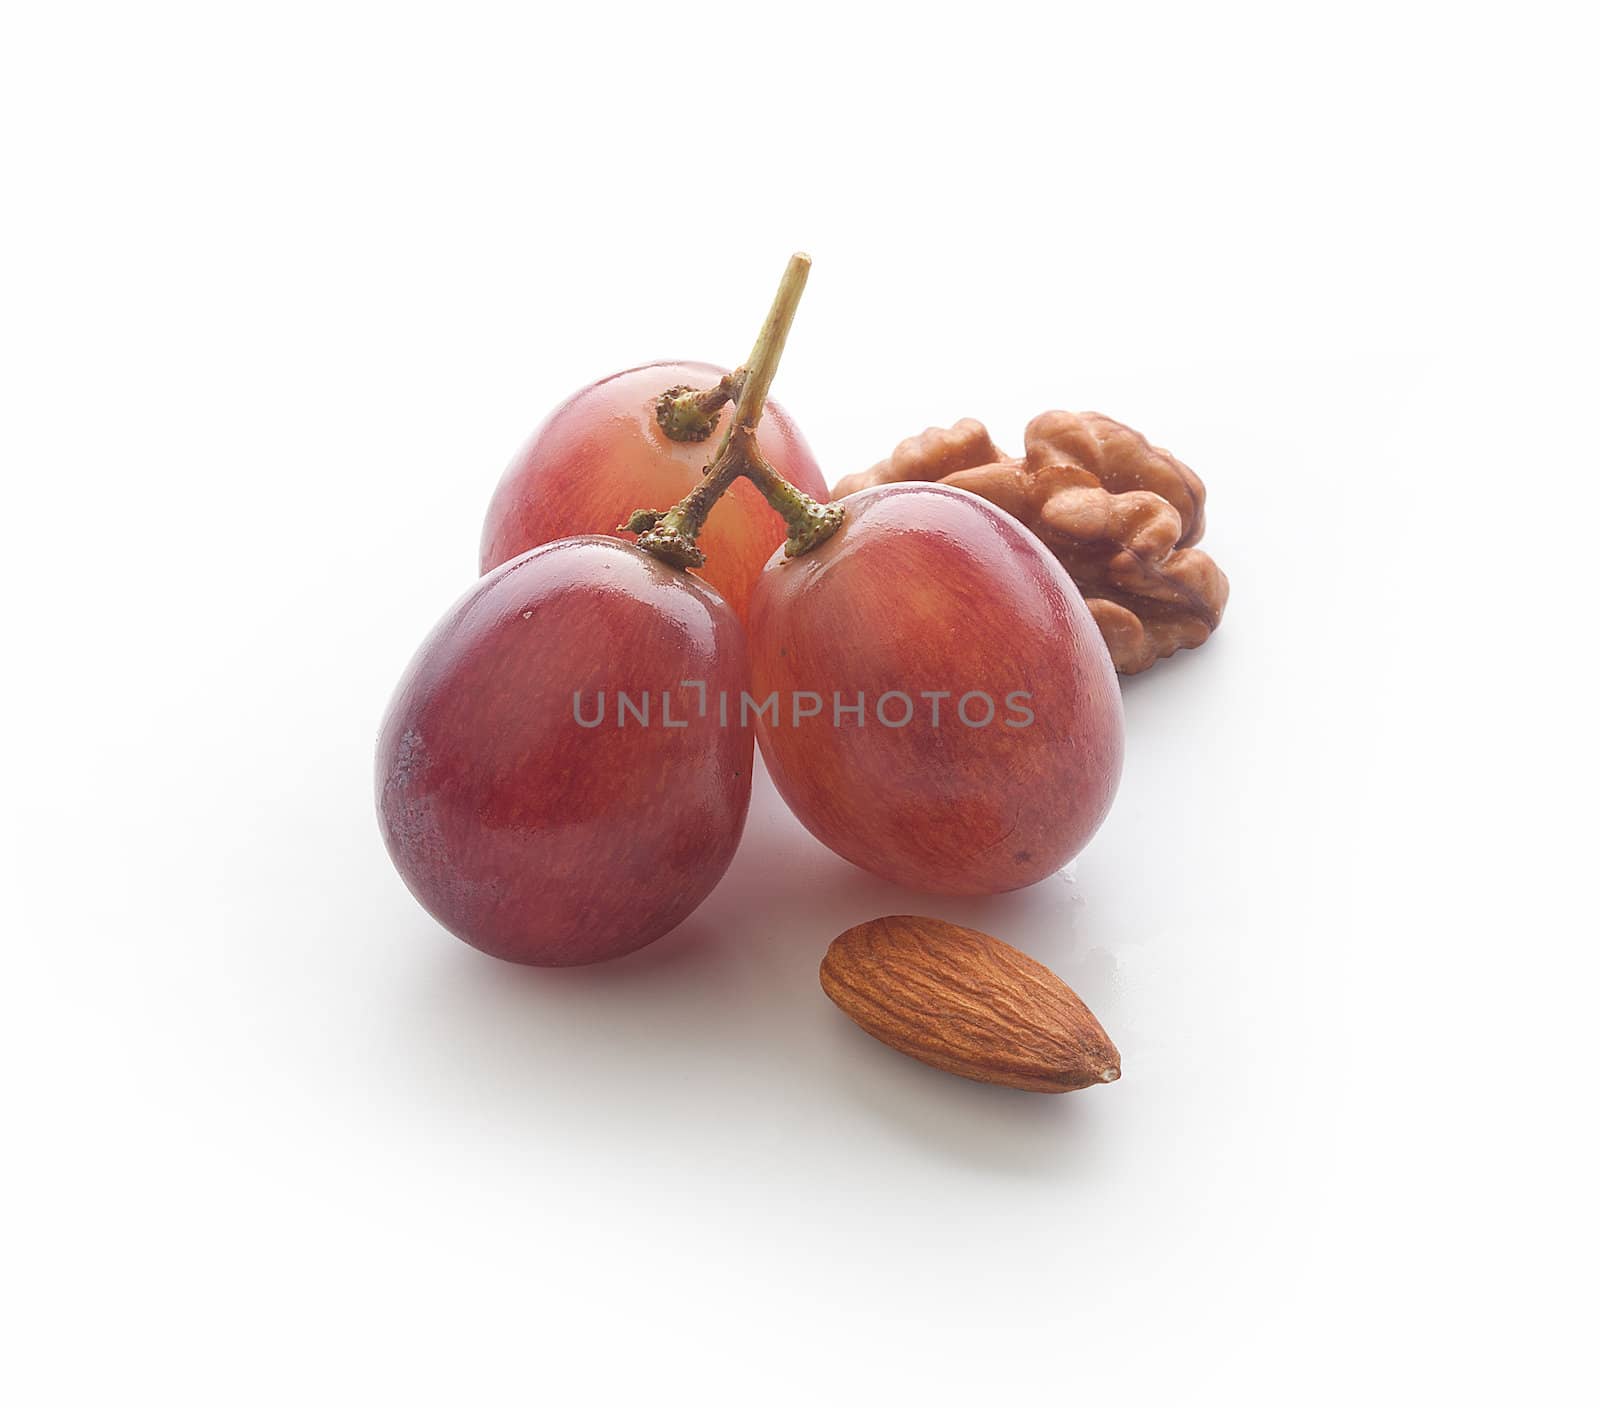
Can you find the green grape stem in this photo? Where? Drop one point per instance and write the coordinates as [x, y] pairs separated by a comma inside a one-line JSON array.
[[672, 534]]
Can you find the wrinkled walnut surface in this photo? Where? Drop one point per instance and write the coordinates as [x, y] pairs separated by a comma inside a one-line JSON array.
[[1121, 515]]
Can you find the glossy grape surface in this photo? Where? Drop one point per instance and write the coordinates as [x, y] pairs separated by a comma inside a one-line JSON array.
[[527, 834], [927, 589], [601, 454]]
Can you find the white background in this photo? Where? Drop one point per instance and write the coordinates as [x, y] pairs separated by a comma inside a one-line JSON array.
[[283, 288]]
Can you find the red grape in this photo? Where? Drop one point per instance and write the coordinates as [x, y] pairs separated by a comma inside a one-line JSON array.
[[602, 454], [529, 834], [930, 591]]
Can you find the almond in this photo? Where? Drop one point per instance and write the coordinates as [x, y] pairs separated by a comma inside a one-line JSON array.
[[967, 1003]]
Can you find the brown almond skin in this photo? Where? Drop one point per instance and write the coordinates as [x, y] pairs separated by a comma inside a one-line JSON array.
[[967, 1003]]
